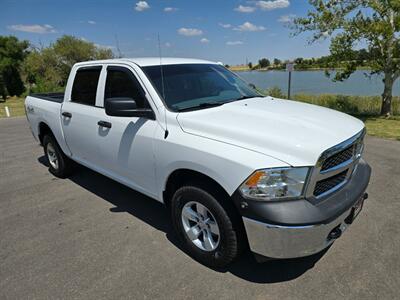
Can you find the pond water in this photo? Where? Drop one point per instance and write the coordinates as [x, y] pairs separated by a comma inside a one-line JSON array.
[[315, 82]]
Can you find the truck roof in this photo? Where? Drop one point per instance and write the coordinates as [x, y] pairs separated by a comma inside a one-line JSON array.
[[151, 61]]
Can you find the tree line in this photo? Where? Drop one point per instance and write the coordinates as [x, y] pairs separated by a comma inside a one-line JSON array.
[[25, 68], [360, 57]]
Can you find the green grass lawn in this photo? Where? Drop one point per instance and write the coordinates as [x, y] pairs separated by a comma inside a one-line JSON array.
[[382, 127], [15, 106], [366, 108], [376, 126]]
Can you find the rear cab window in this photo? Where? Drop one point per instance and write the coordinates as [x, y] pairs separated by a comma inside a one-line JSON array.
[[84, 88]]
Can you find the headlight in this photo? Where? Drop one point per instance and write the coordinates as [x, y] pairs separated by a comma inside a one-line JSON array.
[[277, 183]]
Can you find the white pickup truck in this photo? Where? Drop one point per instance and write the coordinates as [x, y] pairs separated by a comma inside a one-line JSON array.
[[235, 169]]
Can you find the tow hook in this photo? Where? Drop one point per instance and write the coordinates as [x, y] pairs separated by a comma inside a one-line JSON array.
[[335, 233]]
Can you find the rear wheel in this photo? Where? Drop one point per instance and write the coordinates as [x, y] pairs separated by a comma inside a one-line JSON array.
[[204, 227], [59, 164]]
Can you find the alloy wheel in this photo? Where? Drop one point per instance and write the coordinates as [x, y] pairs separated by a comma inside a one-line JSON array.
[[200, 226]]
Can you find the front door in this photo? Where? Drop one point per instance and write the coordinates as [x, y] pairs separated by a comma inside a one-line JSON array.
[[127, 146]]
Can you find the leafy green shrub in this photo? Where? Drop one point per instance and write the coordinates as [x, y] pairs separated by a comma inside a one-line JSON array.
[[275, 92], [344, 104]]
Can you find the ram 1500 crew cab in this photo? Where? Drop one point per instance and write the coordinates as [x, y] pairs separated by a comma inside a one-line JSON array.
[[234, 168]]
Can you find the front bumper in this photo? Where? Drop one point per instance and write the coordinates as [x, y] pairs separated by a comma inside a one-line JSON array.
[[299, 228], [278, 241]]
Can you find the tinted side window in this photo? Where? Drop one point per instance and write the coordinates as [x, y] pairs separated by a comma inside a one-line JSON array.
[[85, 85], [122, 83]]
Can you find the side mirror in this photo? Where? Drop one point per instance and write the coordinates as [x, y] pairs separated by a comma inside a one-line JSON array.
[[126, 107], [252, 85]]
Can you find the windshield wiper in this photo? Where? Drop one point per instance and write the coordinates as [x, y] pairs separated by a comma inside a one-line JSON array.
[[245, 97], [201, 106]]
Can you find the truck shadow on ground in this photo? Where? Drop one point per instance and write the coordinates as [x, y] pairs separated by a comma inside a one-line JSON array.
[[155, 214]]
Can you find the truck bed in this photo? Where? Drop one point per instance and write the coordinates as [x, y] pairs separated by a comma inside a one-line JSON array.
[[54, 97], [46, 108]]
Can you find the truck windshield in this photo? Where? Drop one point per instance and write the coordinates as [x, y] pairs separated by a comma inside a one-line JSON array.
[[197, 86]]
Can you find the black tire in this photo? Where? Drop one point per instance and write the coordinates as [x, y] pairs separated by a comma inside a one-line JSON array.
[[64, 166], [230, 238]]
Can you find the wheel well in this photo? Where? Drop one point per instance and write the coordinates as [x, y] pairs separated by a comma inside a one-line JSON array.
[[181, 177], [43, 130]]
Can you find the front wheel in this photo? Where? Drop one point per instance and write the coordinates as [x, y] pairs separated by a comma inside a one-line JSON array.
[[204, 227]]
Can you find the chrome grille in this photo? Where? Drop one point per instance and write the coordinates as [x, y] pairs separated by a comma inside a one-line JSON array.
[[330, 183], [334, 167], [338, 158]]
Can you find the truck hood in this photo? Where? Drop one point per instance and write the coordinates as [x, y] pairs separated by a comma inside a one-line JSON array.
[[293, 132]]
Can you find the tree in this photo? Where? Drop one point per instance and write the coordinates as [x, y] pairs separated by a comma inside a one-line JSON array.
[[250, 65], [71, 50], [277, 62], [12, 53], [299, 60], [48, 68], [352, 24], [264, 63]]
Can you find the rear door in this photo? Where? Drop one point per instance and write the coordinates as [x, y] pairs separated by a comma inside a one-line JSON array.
[[80, 116]]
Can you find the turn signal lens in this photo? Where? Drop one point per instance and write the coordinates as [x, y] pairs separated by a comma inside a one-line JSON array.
[[255, 178]]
